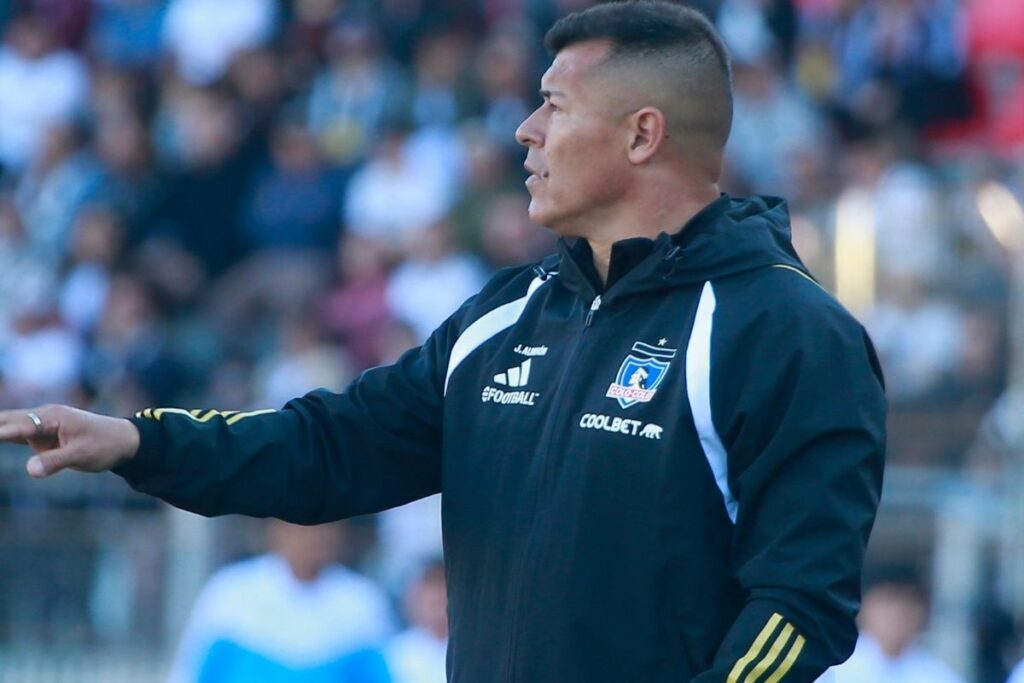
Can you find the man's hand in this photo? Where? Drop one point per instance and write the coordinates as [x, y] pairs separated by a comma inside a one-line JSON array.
[[64, 437]]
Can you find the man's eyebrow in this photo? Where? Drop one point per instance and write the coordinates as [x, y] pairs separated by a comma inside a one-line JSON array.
[[548, 94]]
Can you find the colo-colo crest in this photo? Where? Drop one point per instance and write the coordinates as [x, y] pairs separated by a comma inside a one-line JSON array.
[[640, 374]]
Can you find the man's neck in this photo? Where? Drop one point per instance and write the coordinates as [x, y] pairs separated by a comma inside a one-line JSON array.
[[668, 215]]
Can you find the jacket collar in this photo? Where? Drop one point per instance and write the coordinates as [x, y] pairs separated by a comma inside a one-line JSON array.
[[637, 263]]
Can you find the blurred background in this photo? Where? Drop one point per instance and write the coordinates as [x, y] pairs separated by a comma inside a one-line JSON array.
[[226, 203]]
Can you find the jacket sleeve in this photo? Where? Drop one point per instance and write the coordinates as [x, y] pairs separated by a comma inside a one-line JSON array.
[[322, 457], [798, 400]]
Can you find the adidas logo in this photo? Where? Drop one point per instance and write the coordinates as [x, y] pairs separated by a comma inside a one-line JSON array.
[[515, 377]]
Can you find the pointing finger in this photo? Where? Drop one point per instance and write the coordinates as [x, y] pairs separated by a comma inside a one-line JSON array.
[[17, 426], [25, 425]]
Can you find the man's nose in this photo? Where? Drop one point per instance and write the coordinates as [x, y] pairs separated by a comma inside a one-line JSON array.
[[529, 132]]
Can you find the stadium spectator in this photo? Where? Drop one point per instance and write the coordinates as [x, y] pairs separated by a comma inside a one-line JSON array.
[[41, 359], [206, 140], [294, 201], [758, 30], [900, 61], [774, 123], [440, 94], [893, 615], [96, 244], [128, 356], [26, 278], [291, 615], [302, 358], [358, 91], [204, 35], [40, 85], [920, 340], [488, 174], [399, 193], [437, 277], [912, 237], [62, 179], [130, 180], [356, 310]]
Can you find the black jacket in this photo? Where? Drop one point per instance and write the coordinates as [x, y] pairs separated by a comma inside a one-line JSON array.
[[672, 481]]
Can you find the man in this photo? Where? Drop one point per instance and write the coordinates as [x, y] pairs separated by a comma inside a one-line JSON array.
[[893, 617], [289, 615], [707, 526]]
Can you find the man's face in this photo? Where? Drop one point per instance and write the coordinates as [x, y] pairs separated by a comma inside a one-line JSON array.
[[576, 144], [894, 615]]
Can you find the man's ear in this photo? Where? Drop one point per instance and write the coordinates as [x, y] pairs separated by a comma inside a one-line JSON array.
[[647, 133]]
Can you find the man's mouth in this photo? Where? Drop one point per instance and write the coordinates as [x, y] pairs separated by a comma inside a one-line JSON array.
[[536, 178], [535, 172]]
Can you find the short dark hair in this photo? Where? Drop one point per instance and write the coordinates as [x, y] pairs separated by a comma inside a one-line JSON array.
[[671, 36], [905, 578]]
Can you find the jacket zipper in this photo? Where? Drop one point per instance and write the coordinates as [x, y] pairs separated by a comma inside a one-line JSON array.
[[595, 305]]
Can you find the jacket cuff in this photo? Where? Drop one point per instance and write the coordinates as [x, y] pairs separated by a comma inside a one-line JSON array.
[[148, 460]]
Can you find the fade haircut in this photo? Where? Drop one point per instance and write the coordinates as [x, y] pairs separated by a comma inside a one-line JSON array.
[[674, 46]]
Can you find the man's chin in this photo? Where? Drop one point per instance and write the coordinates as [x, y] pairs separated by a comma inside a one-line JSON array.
[[550, 220], [538, 215]]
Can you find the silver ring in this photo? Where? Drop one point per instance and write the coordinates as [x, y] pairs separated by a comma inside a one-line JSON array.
[[37, 422]]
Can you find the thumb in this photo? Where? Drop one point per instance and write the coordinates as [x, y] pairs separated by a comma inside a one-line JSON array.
[[50, 462]]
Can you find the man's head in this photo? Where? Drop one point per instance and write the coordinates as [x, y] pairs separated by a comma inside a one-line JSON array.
[[306, 549], [638, 90], [894, 610]]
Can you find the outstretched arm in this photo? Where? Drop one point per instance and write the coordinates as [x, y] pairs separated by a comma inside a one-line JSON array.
[[322, 457]]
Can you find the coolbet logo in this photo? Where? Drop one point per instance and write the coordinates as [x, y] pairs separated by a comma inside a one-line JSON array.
[[640, 374], [651, 431], [515, 377], [620, 425]]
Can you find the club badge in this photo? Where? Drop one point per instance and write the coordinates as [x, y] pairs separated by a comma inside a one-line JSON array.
[[640, 374]]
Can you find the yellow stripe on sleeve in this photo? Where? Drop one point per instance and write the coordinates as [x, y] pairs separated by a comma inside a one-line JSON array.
[[787, 663], [199, 415], [160, 412], [755, 648], [759, 670], [252, 413]]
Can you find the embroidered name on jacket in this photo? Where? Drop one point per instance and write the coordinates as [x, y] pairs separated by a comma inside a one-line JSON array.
[[640, 374]]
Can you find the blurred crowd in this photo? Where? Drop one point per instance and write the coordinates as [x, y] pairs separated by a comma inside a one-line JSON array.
[[226, 203]]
